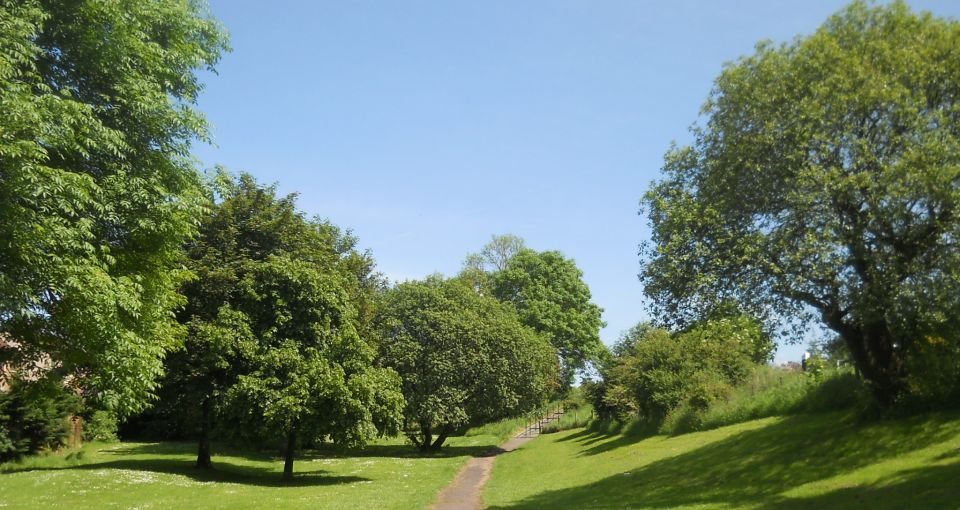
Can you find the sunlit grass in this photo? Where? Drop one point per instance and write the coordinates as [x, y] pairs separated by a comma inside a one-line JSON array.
[[806, 461], [387, 474], [770, 391]]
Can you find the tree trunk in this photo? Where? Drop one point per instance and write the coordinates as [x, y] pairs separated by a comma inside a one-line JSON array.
[[875, 357], [288, 456], [444, 432], [203, 451], [203, 447], [427, 436]]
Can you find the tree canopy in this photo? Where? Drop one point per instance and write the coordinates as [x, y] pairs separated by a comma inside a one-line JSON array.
[[826, 179], [97, 187], [464, 358], [273, 322], [549, 294]]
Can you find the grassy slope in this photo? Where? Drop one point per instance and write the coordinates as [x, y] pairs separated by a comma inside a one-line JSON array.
[[388, 474], [807, 461]]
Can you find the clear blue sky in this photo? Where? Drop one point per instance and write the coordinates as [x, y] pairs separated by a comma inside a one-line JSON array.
[[426, 127]]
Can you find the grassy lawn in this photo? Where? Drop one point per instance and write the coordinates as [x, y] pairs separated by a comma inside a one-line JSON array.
[[388, 474], [810, 461]]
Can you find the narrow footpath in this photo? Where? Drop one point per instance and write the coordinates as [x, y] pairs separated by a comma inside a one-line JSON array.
[[466, 491]]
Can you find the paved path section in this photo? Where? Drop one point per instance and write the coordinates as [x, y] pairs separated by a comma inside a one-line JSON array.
[[465, 491]]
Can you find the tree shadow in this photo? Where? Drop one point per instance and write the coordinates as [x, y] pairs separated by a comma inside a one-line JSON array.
[[602, 441], [928, 487], [399, 451], [755, 466], [179, 457], [224, 472]]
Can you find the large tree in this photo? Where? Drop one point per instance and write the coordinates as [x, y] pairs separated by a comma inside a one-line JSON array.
[[97, 187], [313, 376], [826, 179], [549, 294], [464, 358], [273, 327]]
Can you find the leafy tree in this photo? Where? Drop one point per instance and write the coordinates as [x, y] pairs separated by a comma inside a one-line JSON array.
[[314, 377], [272, 322], [216, 351], [825, 180], [495, 254], [493, 257], [97, 188], [551, 297], [464, 358]]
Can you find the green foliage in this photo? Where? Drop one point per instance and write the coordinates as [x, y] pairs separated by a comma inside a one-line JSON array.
[[770, 391], [933, 374], [97, 188], [653, 372], [825, 180], [101, 426], [35, 416], [273, 321], [577, 413], [464, 358], [312, 374], [494, 255], [551, 297]]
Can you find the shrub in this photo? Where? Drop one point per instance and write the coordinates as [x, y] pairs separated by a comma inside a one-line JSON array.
[[654, 372], [101, 425], [34, 416], [934, 375]]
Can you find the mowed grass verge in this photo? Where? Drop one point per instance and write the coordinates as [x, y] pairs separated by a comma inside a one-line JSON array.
[[821, 461], [387, 474]]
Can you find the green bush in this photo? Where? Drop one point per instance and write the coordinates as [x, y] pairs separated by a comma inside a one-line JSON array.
[[35, 416], [653, 373], [100, 425], [934, 375]]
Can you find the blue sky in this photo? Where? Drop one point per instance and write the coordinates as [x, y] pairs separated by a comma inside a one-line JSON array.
[[426, 127]]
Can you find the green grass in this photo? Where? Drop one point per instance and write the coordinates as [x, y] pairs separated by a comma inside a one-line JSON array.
[[772, 391], [508, 427], [821, 461], [574, 417], [502, 430], [388, 474]]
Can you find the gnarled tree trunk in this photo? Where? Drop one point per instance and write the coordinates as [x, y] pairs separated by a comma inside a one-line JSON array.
[[444, 432]]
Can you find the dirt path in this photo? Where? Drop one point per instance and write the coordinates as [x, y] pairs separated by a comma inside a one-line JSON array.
[[465, 491]]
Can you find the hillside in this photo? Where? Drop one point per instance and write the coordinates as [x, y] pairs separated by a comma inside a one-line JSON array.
[[812, 461]]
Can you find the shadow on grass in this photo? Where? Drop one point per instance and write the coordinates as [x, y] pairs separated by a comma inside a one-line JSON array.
[[754, 467], [175, 457], [398, 451], [928, 487], [223, 472], [601, 441]]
